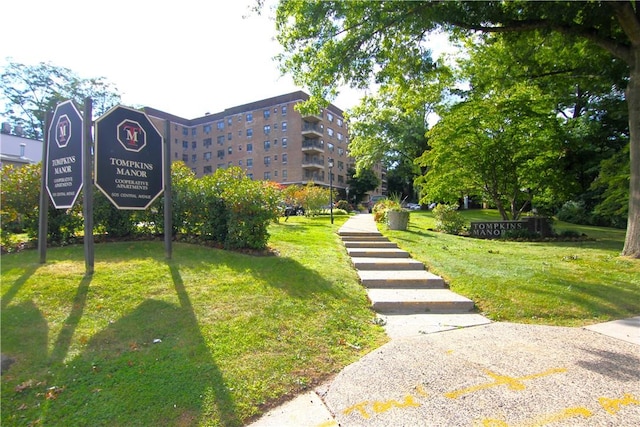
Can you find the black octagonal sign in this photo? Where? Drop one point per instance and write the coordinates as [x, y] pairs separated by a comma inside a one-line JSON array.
[[63, 170], [129, 158]]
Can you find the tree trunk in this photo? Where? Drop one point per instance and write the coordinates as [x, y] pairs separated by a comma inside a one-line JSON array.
[[632, 240]]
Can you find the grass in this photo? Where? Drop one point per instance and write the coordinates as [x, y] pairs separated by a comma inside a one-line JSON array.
[[553, 283], [210, 337]]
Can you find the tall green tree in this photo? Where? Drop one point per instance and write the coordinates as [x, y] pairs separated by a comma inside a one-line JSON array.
[[332, 43], [29, 91], [504, 147], [361, 182]]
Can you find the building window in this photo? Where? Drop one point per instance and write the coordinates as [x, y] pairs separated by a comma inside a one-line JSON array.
[[340, 136], [284, 126], [267, 145], [249, 133], [267, 175], [221, 154], [240, 162], [275, 126], [284, 174], [250, 175], [339, 122], [229, 121], [284, 159], [284, 110], [194, 158], [275, 173], [185, 158], [194, 145], [175, 155], [207, 170], [329, 117], [275, 142], [266, 113], [206, 128], [341, 151], [340, 165], [249, 163], [330, 146], [175, 141], [267, 129], [185, 145], [267, 160], [275, 158], [249, 148], [207, 142], [249, 117], [185, 131], [330, 131], [284, 142], [220, 140], [229, 150], [240, 147], [229, 136], [207, 155], [220, 125]]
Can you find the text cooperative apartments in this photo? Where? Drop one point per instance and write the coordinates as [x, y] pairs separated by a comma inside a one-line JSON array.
[[268, 139]]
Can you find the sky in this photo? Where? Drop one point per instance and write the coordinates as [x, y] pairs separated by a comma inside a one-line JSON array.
[[185, 57]]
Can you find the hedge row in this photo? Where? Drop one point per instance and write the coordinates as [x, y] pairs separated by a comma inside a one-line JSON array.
[[227, 208]]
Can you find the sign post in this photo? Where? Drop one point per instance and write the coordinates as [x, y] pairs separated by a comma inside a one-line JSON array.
[[129, 158]]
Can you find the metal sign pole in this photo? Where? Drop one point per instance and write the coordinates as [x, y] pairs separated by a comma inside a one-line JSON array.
[[44, 197], [168, 218], [87, 207]]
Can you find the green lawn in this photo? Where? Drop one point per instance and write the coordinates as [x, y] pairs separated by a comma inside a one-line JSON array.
[[210, 337], [553, 283]]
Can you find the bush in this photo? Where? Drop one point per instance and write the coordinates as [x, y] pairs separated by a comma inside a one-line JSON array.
[[575, 213], [228, 208], [448, 219], [344, 205]]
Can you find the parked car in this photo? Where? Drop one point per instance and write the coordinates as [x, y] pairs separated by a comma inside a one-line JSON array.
[[413, 206], [293, 210]]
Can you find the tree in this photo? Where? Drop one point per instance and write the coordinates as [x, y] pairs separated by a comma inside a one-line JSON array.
[[504, 147], [330, 44], [361, 183], [29, 91]]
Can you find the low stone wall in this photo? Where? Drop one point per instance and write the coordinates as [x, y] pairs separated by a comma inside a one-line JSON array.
[[497, 229]]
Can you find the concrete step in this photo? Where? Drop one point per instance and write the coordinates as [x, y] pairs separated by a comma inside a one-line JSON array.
[[377, 253], [413, 301], [375, 263], [407, 279], [368, 237], [369, 244]]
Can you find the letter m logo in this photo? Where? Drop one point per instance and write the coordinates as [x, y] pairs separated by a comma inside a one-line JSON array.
[[131, 135]]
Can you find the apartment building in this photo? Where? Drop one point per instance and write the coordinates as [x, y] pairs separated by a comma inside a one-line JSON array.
[[268, 139]]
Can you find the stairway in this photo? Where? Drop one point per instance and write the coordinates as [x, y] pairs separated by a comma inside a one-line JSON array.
[[408, 298]]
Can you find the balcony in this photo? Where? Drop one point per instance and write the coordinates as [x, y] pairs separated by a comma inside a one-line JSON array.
[[312, 146], [312, 118], [311, 129], [312, 163]]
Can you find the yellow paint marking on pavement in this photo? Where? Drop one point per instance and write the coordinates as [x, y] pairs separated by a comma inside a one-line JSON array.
[[514, 383]]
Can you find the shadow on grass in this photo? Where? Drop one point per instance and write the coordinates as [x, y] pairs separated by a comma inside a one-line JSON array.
[[149, 367], [590, 298], [17, 285], [63, 342]]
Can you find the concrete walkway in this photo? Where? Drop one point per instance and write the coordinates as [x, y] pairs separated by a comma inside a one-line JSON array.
[[492, 374]]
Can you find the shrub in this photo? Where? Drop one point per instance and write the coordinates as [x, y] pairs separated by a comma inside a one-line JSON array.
[[344, 205], [575, 213], [448, 219]]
